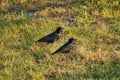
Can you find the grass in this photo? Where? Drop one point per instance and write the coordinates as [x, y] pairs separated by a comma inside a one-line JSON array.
[[96, 25]]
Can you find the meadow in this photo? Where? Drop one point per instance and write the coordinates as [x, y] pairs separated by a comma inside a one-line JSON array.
[[94, 23]]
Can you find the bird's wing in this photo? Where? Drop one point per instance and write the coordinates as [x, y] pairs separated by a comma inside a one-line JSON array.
[[48, 37], [64, 48], [53, 35]]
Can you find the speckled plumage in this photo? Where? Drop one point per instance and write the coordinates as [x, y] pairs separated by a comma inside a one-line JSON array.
[[65, 48]]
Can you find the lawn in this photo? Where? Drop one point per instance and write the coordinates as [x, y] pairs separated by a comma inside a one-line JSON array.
[[94, 23]]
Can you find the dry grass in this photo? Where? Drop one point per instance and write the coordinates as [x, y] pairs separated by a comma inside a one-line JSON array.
[[94, 23]]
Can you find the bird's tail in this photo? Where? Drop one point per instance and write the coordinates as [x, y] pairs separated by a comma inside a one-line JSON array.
[[40, 40], [53, 53]]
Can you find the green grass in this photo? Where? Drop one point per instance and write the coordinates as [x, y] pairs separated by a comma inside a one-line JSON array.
[[96, 27]]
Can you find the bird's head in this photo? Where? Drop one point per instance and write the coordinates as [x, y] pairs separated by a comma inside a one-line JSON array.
[[59, 29], [72, 41]]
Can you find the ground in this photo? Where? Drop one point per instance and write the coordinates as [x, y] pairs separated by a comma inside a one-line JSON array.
[[94, 23]]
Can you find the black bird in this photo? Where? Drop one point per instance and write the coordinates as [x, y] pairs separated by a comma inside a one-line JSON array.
[[65, 48], [52, 37]]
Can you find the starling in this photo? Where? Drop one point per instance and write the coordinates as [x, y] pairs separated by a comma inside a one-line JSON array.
[[52, 37], [66, 47]]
